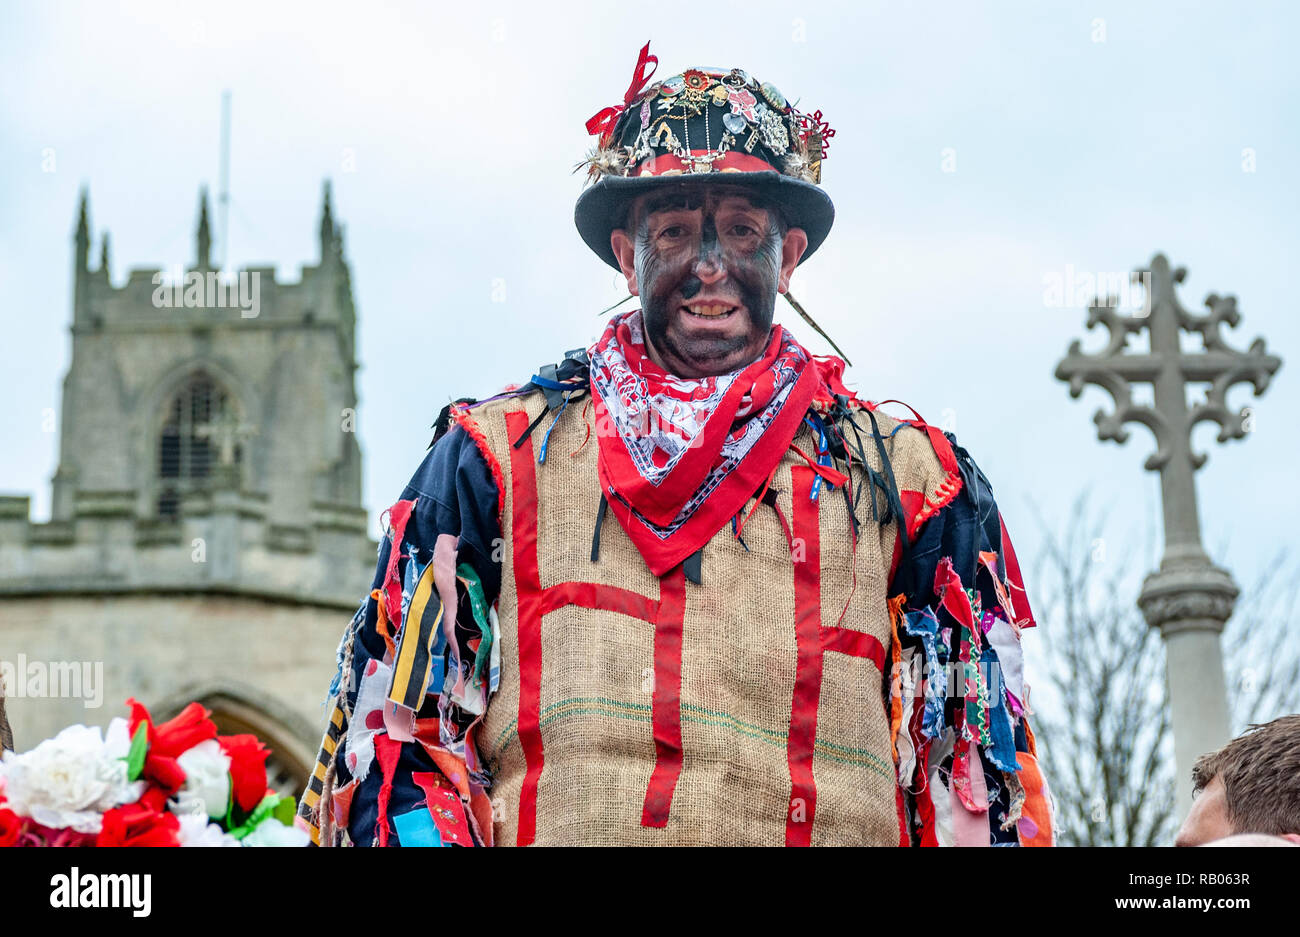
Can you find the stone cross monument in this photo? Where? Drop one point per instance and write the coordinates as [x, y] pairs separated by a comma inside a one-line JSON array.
[[1189, 599]]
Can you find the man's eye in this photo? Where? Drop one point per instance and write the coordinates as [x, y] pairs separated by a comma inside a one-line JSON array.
[[742, 230], [673, 231]]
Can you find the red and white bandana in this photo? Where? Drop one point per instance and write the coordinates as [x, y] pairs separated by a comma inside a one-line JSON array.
[[679, 457]]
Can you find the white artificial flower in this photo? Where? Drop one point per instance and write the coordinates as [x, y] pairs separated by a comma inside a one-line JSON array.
[[207, 780], [117, 738], [197, 831], [70, 780], [271, 832]]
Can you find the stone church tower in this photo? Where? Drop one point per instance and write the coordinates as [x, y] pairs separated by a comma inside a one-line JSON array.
[[207, 538]]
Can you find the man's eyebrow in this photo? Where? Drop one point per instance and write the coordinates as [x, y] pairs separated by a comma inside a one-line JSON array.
[[692, 202], [742, 203], [672, 203], [732, 202]]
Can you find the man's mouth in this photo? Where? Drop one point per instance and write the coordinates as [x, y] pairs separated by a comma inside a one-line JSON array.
[[713, 311]]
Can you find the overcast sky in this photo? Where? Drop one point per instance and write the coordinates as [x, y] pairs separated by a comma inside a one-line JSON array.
[[979, 148]]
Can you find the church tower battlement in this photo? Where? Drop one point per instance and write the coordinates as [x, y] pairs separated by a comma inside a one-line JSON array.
[[207, 435]]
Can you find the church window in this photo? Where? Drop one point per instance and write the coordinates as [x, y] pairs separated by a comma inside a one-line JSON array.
[[191, 441]]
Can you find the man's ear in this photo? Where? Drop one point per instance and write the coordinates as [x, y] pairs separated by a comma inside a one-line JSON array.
[[792, 248], [625, 254]]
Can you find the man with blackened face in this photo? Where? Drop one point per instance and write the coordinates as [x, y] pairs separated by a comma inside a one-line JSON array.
[[708, 263], [651, 594]]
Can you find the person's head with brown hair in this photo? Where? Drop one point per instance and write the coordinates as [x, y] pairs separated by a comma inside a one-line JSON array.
[[1250, 785]]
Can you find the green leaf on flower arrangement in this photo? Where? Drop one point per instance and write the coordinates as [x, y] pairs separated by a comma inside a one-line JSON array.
[[139, 748], [285, 810], [265, 810]]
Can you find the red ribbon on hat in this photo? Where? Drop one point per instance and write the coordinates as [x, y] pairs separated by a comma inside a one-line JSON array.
[[603, 122]]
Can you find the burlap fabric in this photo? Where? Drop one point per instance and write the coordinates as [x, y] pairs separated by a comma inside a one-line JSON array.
[[750, 668]]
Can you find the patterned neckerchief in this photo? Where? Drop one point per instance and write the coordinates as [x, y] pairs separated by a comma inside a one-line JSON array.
[[679, 457]]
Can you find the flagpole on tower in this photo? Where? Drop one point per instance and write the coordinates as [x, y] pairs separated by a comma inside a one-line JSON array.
[[223, 195]]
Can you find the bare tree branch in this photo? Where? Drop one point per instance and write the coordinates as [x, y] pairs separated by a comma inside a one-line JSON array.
[[1107, 745]]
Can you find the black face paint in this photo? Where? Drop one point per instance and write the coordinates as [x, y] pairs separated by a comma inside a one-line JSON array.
[[680, 258]]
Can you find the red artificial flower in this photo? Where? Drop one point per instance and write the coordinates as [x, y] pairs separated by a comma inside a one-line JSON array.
[[11, 827], [140, 824], [695, 79], [33, 834], [169, 740], [166, 773], [247, 768], [177, 735], [153, 799]]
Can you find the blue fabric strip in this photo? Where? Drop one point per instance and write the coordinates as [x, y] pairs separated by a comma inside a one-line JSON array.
[[546, 440], [554, 385]]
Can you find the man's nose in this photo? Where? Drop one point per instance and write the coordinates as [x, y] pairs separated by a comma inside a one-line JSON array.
[[710, 265]]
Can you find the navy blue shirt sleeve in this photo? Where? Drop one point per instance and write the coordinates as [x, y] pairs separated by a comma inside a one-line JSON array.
[[454, 493]]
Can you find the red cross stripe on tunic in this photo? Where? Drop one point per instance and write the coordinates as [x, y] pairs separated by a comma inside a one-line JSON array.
[[666, 615], [813, 641]]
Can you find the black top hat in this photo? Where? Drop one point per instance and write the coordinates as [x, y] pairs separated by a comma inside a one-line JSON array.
[[693, 128]]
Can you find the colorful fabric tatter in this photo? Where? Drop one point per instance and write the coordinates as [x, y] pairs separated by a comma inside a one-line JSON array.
[[410, 577], [443, 567], [1016, 802], [952, 593], [381, 625], [482, 645], [970, 798], [399, 715], [367, 718], [387, 753], [924, 625], [421, 652], [398, 515], [1001, 747], [415, 828], [469, 683], [341, 800], [452, 764], [962, 774], [969, 740], [399, 722], [445, 808], [494, 662], [937, 818], [1035, 823], [912, 680], [979, 720], [1005, 644], [1015, 581]]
